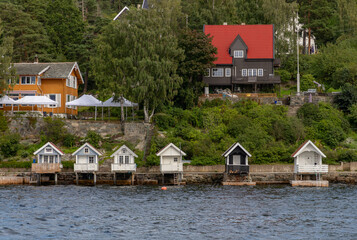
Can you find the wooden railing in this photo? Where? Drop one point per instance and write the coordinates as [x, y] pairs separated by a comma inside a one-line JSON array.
[[86, 167], [311, 168], [46, 167], [116, 167]]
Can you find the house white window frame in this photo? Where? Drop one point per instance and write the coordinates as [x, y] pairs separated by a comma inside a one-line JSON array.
[[45, 159], [175, 159], [51, 159], [121, 159], [39, 80], [215, 71], [28, 80], [244, 72], [238, 54], [86, 150], [252, 72], [57, 99], [228, 72], [91, 159], [48, 150], [260, 72], [124, 150], [208, 72], [68, 99], [126, 159]]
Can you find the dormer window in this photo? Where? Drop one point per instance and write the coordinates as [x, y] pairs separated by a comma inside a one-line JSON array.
[[238, 54], [124, 150], [86, 150]]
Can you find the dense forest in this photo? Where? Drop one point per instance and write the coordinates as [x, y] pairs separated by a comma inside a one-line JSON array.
[[156, 57]]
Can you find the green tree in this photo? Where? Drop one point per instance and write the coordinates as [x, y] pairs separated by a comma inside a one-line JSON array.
[[199, 55], [138, 57], [347, 98], [6, 71], [29, 35], [307, 82]]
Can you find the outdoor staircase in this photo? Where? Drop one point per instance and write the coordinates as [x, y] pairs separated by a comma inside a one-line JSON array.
[[149, 135]]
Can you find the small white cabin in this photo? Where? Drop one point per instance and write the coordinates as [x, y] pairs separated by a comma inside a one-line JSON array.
[[86, 158], [308, 159], [124, 160], [48, 159], [171, 159]]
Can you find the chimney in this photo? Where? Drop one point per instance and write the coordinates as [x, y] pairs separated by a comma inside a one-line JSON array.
[[224, 23], [242, 23], [36, 59]]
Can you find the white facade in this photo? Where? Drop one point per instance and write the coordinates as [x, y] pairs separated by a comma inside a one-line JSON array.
[[86, 159], [124, 160], [171, 159], [308, 159], [48, 153]]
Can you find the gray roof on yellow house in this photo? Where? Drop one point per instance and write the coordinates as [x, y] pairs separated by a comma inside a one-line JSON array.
[[47, 70]]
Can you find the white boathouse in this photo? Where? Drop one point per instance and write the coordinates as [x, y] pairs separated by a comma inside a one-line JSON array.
[[308, 165], [124, 162], [171, 162], [48, 161], [87, 160]]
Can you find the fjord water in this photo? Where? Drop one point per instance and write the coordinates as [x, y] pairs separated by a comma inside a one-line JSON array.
[[188, 212]]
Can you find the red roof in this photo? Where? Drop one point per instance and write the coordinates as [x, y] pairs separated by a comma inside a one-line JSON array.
[[301, 146], [258, 38]]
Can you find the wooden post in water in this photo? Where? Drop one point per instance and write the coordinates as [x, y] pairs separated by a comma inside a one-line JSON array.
[[115, 178], [55, 178], [38, 179], [95, 178], [132, 179], [76, 178], [163, 179]]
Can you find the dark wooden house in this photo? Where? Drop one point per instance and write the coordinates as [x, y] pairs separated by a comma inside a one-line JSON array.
[[236, 160], [245, 58]]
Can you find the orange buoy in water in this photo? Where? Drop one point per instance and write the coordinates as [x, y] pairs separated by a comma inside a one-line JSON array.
[[164, 188]]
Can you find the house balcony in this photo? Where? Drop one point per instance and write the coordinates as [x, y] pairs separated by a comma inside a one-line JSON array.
[[46, 167], [311, 169], [117, 167], [237, 169], [270, 79], [89, 167], [171, 168]]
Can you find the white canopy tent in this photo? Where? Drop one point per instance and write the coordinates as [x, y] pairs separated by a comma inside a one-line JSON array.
[[6, 100], [86, 101], [36, 100], [116, 103]]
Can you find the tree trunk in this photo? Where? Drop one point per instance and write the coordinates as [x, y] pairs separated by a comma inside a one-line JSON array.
[[304, 41], [148, 117], [122, 108], [85, 81]]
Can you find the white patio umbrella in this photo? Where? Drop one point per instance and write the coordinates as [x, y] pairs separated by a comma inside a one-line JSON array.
[[116, 103], [86, 101], [36, 100], [6, 100]]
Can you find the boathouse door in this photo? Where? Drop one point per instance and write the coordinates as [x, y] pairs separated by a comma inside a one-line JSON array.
[[236, 159]]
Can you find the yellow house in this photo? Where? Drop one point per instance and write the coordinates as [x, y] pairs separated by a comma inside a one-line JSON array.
[[58, 81]]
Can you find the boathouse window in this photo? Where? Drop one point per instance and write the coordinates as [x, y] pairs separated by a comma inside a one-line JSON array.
[[51, 159], [126, 159], [91, 159], [86, 150], [121, 159], [45, 160], [48, 150], [124, 150], [252, 72], [260, 72], [236, 159], [244, 72], [175, 159]]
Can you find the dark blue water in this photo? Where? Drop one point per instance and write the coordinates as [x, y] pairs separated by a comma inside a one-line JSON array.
[[189, 212]]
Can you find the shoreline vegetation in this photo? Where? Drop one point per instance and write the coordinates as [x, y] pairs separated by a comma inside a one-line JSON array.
[[204, 133]]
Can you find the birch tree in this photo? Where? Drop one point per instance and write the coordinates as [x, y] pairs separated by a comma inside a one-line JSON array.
[[137, 56]]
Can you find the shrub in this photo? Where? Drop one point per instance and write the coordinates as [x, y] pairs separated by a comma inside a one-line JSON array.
[[164, 121], [53, 131], [93, 138], [285, 76], [16, 164], [3, 122], [347, 156], [9, 145], [307, 82], [68, 164], [69, 140]]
